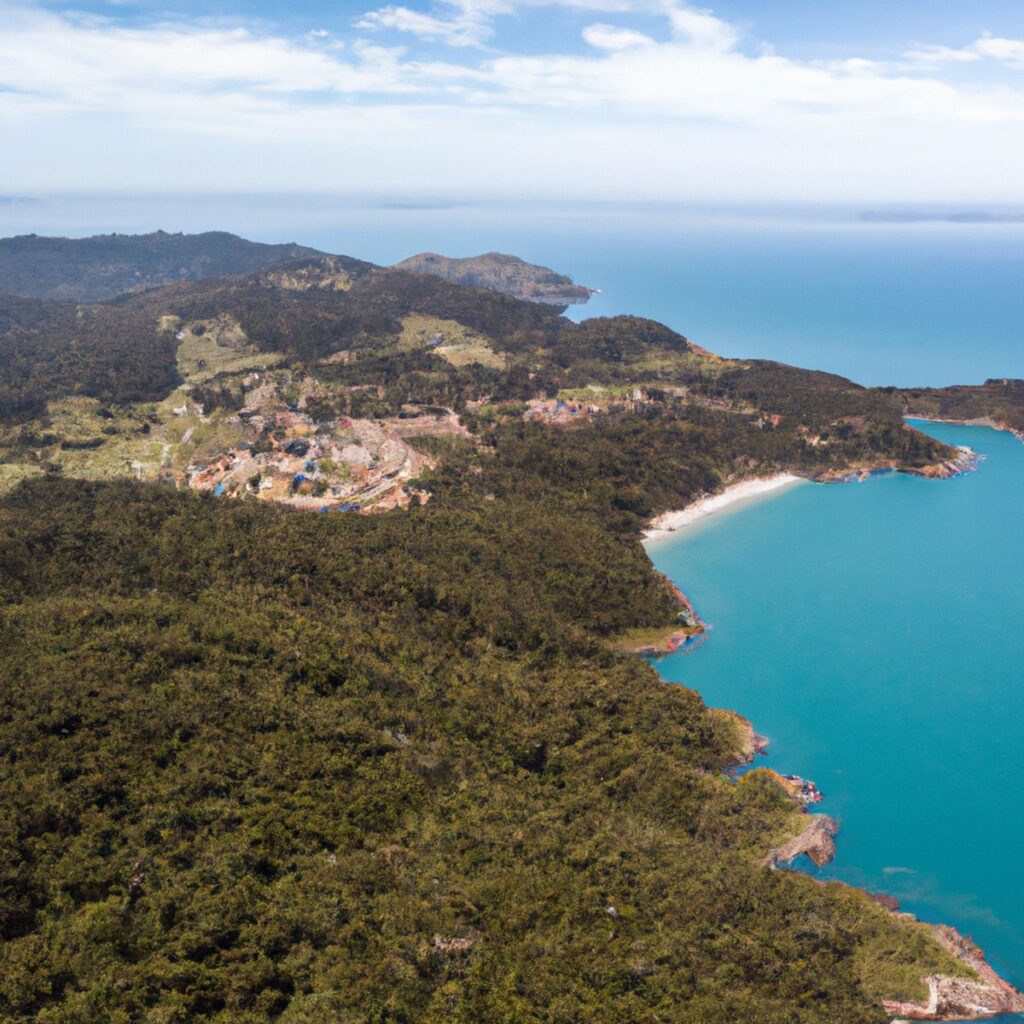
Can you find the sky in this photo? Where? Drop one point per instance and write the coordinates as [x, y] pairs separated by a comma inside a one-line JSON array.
[[664, 100]]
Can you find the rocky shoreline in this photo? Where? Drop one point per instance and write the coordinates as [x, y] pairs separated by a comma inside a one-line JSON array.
[[949, 998], [816, 841], [960, 998], [965, 461], [691, 631]]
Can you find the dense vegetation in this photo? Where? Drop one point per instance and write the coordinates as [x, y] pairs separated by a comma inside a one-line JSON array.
[[49, 349], [98, 268], [259, 765], [1001, 401]]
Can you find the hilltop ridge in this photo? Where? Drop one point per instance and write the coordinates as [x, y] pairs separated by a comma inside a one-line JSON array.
[[104, 266]]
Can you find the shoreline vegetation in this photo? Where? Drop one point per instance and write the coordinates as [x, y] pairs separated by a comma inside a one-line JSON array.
[[977, 421], [977, 994]]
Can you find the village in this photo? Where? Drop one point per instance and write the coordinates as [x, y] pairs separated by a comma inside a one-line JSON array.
[[290, 457]]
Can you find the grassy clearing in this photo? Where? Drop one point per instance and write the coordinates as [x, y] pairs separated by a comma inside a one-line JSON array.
[[449, 339], [211, 347], [595, 392], [643, 637], [13, 473], [207, 435]]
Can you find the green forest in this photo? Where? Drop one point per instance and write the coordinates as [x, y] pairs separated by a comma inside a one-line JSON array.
[[268, 765]]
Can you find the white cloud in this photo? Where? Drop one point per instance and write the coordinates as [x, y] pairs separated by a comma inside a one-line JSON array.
[[934, 56], [701, 110], [612, 38], [467, 28], [701, 28], [1006, 51], [471, 22]]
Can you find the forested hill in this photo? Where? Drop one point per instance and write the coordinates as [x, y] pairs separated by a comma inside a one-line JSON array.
[[390, 763], [98, 268]]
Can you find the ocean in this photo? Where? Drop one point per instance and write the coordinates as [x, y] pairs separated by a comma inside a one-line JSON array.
[[875, 633]]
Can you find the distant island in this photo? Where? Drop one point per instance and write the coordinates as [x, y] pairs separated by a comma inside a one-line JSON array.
[[928, 215], [102, 267], [498, 272]]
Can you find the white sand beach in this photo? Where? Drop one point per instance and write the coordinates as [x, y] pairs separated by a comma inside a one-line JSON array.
[[746, 490]]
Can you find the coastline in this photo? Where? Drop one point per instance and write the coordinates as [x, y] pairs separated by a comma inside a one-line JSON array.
[[983, 996], [978, 421], [668, 523]]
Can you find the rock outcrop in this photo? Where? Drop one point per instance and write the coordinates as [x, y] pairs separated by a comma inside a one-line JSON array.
[[949, 998], [816, 840]]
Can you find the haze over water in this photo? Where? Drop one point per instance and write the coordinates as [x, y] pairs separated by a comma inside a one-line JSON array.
[[875, 632]]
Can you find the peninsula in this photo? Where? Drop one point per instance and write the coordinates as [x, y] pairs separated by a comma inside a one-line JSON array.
[[501, 273]]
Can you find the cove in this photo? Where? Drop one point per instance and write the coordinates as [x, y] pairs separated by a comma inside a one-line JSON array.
[[875, 633]]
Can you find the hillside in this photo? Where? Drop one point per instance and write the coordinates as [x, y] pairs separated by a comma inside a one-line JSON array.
[[261, 765], [99, 268], [501, 273], [998, 402]]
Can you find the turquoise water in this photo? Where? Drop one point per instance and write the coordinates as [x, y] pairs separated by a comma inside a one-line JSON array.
[[907, 304], [875, 633]]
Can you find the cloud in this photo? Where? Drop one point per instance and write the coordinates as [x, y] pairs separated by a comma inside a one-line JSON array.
[[95, 64], [468, 28], [612, 38], [671, 100], [701, 73], [701, 29], [1006, 51], [471, 22]]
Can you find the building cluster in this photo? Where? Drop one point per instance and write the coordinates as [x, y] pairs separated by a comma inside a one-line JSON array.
[[289, 457], [568, 410]]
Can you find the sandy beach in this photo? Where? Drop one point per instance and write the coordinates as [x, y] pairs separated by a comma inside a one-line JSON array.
[[746, 490]]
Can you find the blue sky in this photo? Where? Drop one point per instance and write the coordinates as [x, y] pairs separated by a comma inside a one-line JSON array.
[[648, 99]]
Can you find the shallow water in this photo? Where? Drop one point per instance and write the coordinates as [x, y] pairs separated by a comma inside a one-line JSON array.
[[875, 633]]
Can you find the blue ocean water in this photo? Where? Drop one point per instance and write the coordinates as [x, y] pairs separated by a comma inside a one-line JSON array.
[[875, 633], [882, 303]]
